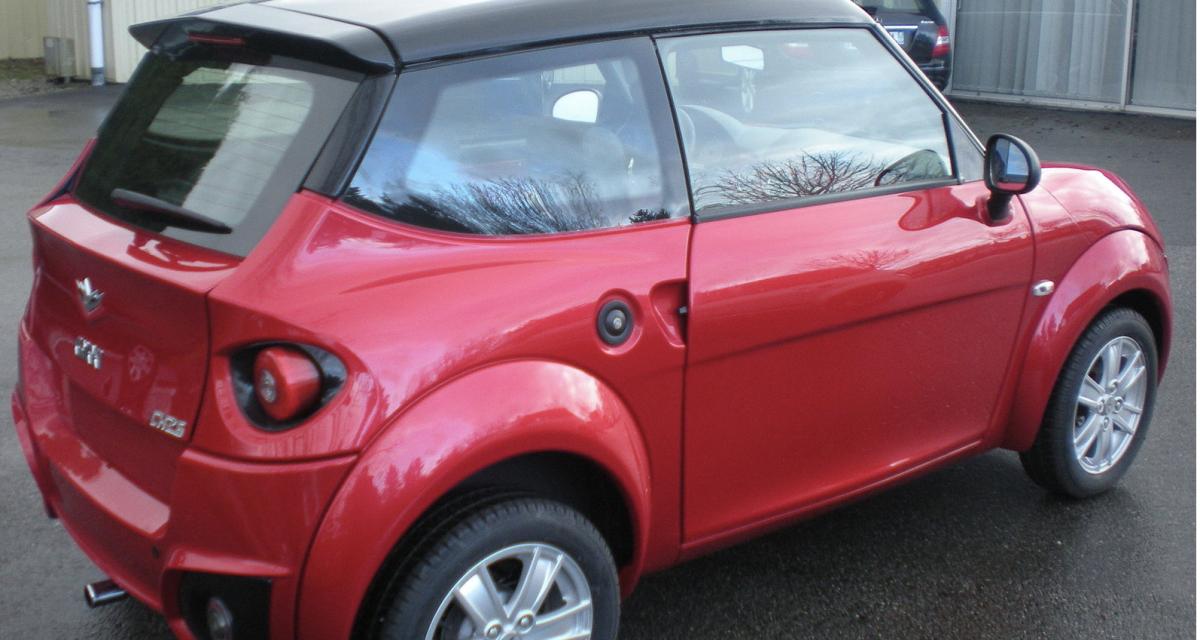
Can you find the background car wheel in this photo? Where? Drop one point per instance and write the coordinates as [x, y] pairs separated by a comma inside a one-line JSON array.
[[523, 568], [1100, 409]]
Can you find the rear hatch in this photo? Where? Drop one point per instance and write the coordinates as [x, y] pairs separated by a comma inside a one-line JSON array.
[[193, 165], [142, 348]]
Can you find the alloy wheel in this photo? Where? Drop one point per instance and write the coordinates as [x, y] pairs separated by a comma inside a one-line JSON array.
[[528, 591], [1110, 403]]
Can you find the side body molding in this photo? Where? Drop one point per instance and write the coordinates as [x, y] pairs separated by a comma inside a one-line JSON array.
[[467, 425], [1120, 263]]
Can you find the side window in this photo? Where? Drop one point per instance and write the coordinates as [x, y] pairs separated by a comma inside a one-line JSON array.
[[563, 139], [776, 116], [968, 155]]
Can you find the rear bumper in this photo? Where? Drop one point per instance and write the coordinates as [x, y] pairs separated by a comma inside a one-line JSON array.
[[222, 516]]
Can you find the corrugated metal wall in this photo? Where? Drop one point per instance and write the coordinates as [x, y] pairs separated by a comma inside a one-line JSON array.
[[126, 52], [1068, 49], [22, 24], [68, 19], [1121, 54], [1164, 54]]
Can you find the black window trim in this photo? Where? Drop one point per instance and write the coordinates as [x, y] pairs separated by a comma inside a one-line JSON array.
[[776, 206], [939, 100], [687, 169], [347, 144]]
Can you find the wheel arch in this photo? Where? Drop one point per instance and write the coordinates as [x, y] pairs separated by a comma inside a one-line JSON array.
[[1125, 268], [568, 478], [1154, 309], [574, 480], [515, 425]]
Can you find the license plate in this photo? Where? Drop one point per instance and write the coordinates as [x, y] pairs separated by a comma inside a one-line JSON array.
[[900, 37]]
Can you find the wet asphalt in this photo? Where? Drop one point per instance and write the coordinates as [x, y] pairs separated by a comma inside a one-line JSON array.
[[971, 551]]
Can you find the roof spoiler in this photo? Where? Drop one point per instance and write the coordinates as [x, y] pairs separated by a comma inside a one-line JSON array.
[[278, 31]]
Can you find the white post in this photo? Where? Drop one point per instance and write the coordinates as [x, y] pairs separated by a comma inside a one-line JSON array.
[[950, 13], [1127, 66], [96, 39]]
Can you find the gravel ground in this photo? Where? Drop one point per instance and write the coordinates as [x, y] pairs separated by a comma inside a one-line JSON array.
[[22, 78], [972, 551]]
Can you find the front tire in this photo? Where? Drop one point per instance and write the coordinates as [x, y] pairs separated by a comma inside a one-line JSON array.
[[1100, 410], [523, 568]]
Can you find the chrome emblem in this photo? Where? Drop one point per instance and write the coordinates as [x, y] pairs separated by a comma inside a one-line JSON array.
[[169, 425], [89, 353], [89, 296]]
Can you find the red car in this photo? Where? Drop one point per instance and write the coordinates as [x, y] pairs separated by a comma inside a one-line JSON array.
[[451, 320]]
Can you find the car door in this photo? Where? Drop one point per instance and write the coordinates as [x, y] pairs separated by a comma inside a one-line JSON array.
[[852, 307]]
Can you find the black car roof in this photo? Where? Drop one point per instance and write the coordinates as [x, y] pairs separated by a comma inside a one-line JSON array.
[[420, 30]]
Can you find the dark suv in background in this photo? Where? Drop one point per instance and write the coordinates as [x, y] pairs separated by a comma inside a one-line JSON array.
[[920, 29]]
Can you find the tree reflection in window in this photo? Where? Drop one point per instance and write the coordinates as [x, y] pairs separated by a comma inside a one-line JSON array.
[[504, 206], [814, 174], [807, 175]]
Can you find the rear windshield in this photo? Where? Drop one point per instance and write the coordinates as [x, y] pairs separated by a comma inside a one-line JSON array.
[[230, 140]]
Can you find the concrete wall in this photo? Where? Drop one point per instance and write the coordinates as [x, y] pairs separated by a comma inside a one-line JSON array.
[[68, 19], [22, 24]]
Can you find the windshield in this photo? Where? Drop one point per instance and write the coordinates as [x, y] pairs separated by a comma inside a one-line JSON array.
[[230, 140]]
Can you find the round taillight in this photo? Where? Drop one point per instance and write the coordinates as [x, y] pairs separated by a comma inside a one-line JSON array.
[[286, 381]]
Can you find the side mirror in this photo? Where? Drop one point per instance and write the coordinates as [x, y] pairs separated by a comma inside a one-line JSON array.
[[1012, 169], [582, 105], [744, 56]]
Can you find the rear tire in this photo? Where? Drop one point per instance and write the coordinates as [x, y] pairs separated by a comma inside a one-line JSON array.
[[1100, 410], [525, 567]]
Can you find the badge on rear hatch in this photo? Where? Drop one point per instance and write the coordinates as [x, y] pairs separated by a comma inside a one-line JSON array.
[[169, 425], [89, 352], [89, 296]]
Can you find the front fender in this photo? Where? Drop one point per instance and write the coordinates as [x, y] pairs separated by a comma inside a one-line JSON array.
[[1119, 263], [463, 427]]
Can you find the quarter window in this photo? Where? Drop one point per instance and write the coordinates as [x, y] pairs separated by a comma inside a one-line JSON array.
[[967, 154], [770, 117], [555, 140]]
